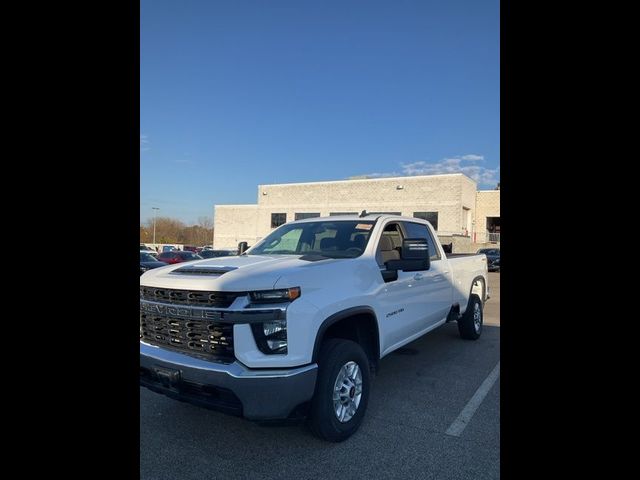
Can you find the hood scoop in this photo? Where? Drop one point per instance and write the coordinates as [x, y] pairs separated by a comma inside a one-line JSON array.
[[202, 270]]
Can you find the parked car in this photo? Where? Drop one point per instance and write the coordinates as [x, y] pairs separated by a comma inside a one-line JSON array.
[[144, 248], [178, 256], [493, 258], [190, 248], [296, 325], [217, 253], [148, 261], [169, 248]]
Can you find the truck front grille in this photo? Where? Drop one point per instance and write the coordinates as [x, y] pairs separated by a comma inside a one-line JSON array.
[[189, 297], [202, 338]]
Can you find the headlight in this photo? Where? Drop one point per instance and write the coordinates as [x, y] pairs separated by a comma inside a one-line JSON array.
[[275, 296], [271, 337]]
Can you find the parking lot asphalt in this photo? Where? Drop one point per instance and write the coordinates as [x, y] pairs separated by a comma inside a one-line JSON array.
[[418, 393], [492, 307]]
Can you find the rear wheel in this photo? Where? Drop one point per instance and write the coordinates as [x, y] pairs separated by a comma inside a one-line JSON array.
[[342, 390], [470, 324]]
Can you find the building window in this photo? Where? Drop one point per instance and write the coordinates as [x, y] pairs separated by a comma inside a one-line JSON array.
[[431, 217], [302, 216], [335, 214], [466, 220], [278, 219]]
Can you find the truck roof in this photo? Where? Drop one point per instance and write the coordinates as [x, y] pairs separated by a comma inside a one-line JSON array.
[[370, 216]]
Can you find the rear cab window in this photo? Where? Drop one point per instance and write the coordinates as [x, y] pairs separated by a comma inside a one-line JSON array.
[[420, 230]]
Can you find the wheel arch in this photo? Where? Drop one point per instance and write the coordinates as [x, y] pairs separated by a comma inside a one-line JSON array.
[[478, 283], [356, 323]]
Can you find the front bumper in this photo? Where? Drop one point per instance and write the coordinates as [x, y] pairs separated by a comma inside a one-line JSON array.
[[264, 394]]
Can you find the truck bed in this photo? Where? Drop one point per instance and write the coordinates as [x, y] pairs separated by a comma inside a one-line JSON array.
[[466, 268]]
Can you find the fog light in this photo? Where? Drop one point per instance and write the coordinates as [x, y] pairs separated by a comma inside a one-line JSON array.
[[272, 328]]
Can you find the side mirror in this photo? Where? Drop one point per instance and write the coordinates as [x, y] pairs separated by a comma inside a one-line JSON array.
[[415, 249], [242, 247], [415, 256]]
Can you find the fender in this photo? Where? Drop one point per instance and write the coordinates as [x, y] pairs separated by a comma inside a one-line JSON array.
[[341, 315], [484, 289]]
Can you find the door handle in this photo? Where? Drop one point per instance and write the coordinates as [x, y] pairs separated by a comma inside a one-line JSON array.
[[418, 276]]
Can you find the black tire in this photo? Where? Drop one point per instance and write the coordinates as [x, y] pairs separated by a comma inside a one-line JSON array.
[[322, 421], [467, 327]]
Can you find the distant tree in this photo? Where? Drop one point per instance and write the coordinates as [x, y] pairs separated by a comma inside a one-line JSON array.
[[205, 222], [168, 230], [498, 186], [206, 232], [145, 235], [171, 230], [195, 235]]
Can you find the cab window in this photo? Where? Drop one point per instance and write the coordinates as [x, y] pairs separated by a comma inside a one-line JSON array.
[[419, 230], [390, 244]]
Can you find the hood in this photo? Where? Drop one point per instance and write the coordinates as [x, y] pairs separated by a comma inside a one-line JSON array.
[[233, 274]]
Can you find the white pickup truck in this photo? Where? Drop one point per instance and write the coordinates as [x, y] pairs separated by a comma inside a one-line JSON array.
[[295, 326]]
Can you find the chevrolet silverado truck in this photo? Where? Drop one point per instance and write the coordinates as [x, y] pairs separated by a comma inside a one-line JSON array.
[[296, 326]]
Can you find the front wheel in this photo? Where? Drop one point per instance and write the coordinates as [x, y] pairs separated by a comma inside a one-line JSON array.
[[342, 390], [470, 324]]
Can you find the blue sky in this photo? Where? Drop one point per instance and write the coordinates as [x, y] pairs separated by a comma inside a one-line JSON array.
[[239, 93]]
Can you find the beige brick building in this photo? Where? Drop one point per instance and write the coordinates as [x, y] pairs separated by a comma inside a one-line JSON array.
[[450, 202], [488, 215]]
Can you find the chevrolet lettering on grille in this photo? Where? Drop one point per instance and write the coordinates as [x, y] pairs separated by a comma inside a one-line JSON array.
[[180, 311]]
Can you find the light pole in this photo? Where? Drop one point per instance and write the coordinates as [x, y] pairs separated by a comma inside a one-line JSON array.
[[154, 225]]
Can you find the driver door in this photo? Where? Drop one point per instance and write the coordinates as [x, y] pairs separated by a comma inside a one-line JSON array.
[[435, 285], [401, 301]]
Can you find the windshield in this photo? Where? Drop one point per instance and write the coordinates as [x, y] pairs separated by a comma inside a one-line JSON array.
[[332, 239], [145, 257]]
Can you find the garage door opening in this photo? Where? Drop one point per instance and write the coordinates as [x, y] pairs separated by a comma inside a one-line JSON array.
[[493, 229]]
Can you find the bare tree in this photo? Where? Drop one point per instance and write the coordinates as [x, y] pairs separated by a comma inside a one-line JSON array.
[[145, 235], [207, 234], [171, 230], [168, 230], [205, 222]]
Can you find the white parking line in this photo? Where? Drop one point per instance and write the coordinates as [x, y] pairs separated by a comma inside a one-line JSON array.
[[459, 424]]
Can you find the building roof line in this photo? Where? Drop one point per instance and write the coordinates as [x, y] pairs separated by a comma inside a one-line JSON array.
[[235, 205], [403, 177]]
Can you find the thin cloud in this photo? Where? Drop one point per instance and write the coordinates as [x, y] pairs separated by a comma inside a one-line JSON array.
[[466, 164], [472, 158], [144, 143]]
